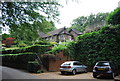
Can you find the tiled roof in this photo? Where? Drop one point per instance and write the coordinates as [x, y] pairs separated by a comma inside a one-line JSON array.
[[41, 34], [58, 31], [55, 32], [77, 32]]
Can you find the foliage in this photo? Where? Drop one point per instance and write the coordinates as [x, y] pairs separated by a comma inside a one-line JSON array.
[[40, 49], [25, 12], [46, 26], [43, 42], [16, 54], [85, 23], [114, 17], [29, 32], [22, 43], [20, 57], [4, 36], [8, 41], [71, 50], [96, 46], [19, 60], [58, 47], [53, 43], [27, 19]]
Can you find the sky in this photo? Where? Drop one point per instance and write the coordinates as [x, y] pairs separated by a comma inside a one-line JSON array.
[[74, 9]]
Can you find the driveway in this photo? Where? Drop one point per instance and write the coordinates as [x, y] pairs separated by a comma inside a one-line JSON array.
[[11, 73], [16, 75], [82, 76]]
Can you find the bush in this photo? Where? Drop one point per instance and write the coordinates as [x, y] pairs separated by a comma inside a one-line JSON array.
[[8, 41], [58, 48], [41, 49], [114, 17], [19, 60], [97, 46], [42, 42]]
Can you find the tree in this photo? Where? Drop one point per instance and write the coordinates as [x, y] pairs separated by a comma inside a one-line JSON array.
[[29, 32], [21, 12], [114, 17], [4, 36], [79, 23], [26, 19], [92, 21]]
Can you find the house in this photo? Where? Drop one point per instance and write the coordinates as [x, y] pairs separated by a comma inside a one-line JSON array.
[[60, 35], [74, 33]]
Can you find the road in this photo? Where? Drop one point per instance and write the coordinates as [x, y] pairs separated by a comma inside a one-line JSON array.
[[10, 73]]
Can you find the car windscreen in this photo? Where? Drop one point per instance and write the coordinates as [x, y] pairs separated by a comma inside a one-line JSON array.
[[102, 64]]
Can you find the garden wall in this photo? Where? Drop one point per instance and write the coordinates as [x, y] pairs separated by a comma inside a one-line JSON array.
[[52, 62]]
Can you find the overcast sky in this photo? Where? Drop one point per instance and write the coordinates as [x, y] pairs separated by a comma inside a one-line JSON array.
[[73, 10]]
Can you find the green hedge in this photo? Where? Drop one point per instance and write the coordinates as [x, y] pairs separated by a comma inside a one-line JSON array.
[[19, 60], [114, 17], [97, 46], [16, 54], [58, 48], [34, 48]]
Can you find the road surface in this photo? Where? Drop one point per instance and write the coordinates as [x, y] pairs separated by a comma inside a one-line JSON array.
[[10, 73]]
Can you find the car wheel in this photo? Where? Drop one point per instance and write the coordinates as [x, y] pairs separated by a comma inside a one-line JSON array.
[[62, 72], [74, 72], [113, 75], [94, 75], [85, 70]]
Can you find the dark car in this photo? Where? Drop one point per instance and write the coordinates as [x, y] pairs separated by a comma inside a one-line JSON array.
[[105, 68]]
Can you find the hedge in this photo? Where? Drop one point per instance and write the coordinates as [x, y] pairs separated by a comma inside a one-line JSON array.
[[96, 46], [114, 17], [19, 60], [34, 48]]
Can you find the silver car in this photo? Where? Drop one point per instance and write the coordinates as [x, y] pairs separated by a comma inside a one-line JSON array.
[[72, 67]]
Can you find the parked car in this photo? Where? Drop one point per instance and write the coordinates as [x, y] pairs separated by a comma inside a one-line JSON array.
[[72, 67], [105, 68]]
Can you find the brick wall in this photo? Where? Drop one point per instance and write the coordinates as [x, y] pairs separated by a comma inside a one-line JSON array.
[[54, 65]]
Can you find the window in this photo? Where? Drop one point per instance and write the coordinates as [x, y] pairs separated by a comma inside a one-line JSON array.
[[62, 37], [76, 63], [103, 64], [67, 63]]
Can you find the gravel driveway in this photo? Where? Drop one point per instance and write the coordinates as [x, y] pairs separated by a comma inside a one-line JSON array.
[[57, 75]]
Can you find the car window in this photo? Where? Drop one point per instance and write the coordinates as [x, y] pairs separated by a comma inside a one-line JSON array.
[[66, 63], [102, 64], [76, 63]]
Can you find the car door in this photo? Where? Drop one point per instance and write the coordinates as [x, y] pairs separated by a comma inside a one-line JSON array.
[[82, 68], [78, 66]]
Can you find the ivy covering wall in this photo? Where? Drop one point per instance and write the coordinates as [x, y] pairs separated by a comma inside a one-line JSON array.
[[97, 46], [20, 57]]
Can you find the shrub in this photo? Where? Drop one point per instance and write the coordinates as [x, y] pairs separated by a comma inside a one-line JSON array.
[[114, 17], [96, 46], [58, 48], [41, 49], [8, 41]]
